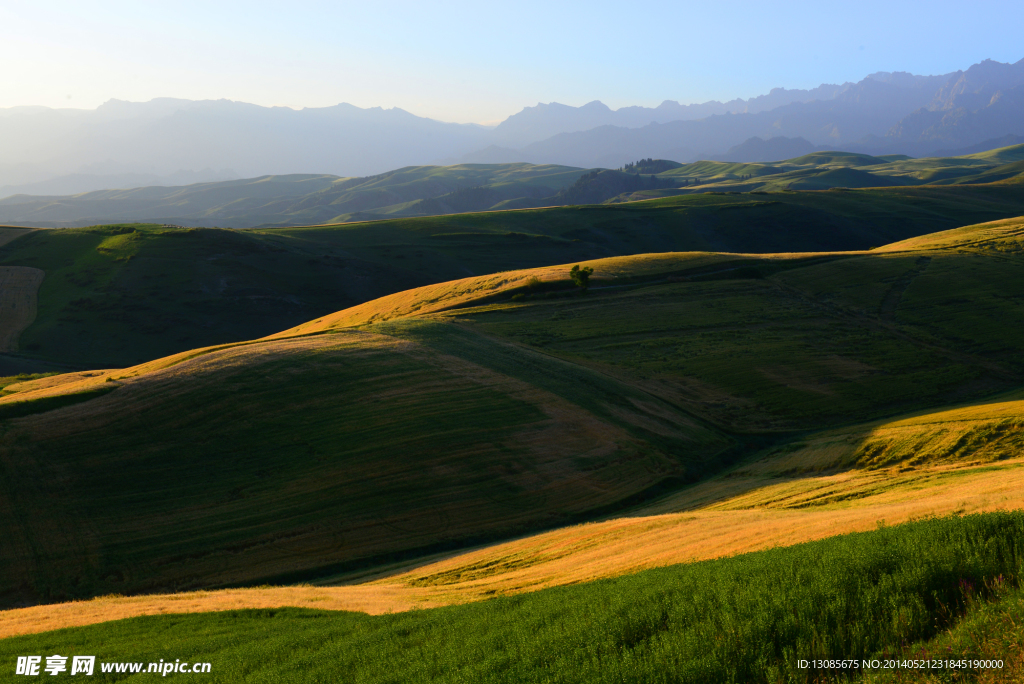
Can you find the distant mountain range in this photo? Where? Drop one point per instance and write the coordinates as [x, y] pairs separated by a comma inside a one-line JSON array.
[[535, 124], [64, 151], [895, 113], [167, 136]]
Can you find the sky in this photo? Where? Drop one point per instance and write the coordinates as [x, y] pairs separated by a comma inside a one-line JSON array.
[[478, 61]]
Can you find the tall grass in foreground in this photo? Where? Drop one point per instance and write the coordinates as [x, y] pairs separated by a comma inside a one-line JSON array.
[[742, 619], [993, 631]]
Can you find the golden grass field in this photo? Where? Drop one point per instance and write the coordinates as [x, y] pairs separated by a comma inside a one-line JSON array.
[[1008, 232], [814, 491], [466, 291], [434, 298]]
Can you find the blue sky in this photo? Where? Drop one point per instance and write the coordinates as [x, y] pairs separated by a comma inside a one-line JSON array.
[[478, 62]]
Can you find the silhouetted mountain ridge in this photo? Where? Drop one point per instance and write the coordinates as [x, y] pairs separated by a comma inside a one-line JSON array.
[[542, 121], [884, 113]]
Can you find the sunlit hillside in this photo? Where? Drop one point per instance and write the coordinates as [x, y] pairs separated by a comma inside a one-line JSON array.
[[463, 413]]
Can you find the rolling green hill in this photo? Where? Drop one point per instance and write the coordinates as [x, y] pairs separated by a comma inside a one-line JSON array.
[[825, 170], [1002, 155], [301, 199], [306, 456], [116, 296], [228, 201], [484, 407], [845, 159], [432, 190], [840, 178], [705, 170], [438, 190], [739, 342], [1004, 172]]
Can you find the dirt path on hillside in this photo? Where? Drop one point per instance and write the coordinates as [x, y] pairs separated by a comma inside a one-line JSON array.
[[19, 286]]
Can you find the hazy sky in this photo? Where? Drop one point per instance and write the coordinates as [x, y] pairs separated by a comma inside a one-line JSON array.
[[479, 61]]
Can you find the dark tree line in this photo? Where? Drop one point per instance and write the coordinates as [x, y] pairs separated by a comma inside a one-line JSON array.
[[648, 165]]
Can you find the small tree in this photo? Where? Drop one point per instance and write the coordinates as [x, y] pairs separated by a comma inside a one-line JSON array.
[[581, 276]]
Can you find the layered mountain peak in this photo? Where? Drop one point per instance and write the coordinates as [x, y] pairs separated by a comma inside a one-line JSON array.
[[976, 87], [983, 102]]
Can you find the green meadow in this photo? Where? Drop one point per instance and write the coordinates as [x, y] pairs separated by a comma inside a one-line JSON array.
[[898, 591], [116, 296]]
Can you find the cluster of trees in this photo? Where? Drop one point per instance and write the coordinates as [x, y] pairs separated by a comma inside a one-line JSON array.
[[648, 165]]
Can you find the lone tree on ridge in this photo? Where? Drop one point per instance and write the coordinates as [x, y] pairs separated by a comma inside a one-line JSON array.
[[581, 276]]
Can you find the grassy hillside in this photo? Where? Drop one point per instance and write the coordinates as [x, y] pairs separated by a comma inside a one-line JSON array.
[[1002, 155], [116, 296], [299, 199], [1013, 171], [438, 190], [745, 619], [991, 237], [743, 347], [431, 190], [306, 456], [205, 203], [825, 170], [972, 434], [809, 488], [992, 629], [125, 294], [596, 186], [841, 159], [499, 404], [962, 459], [705, 170]]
